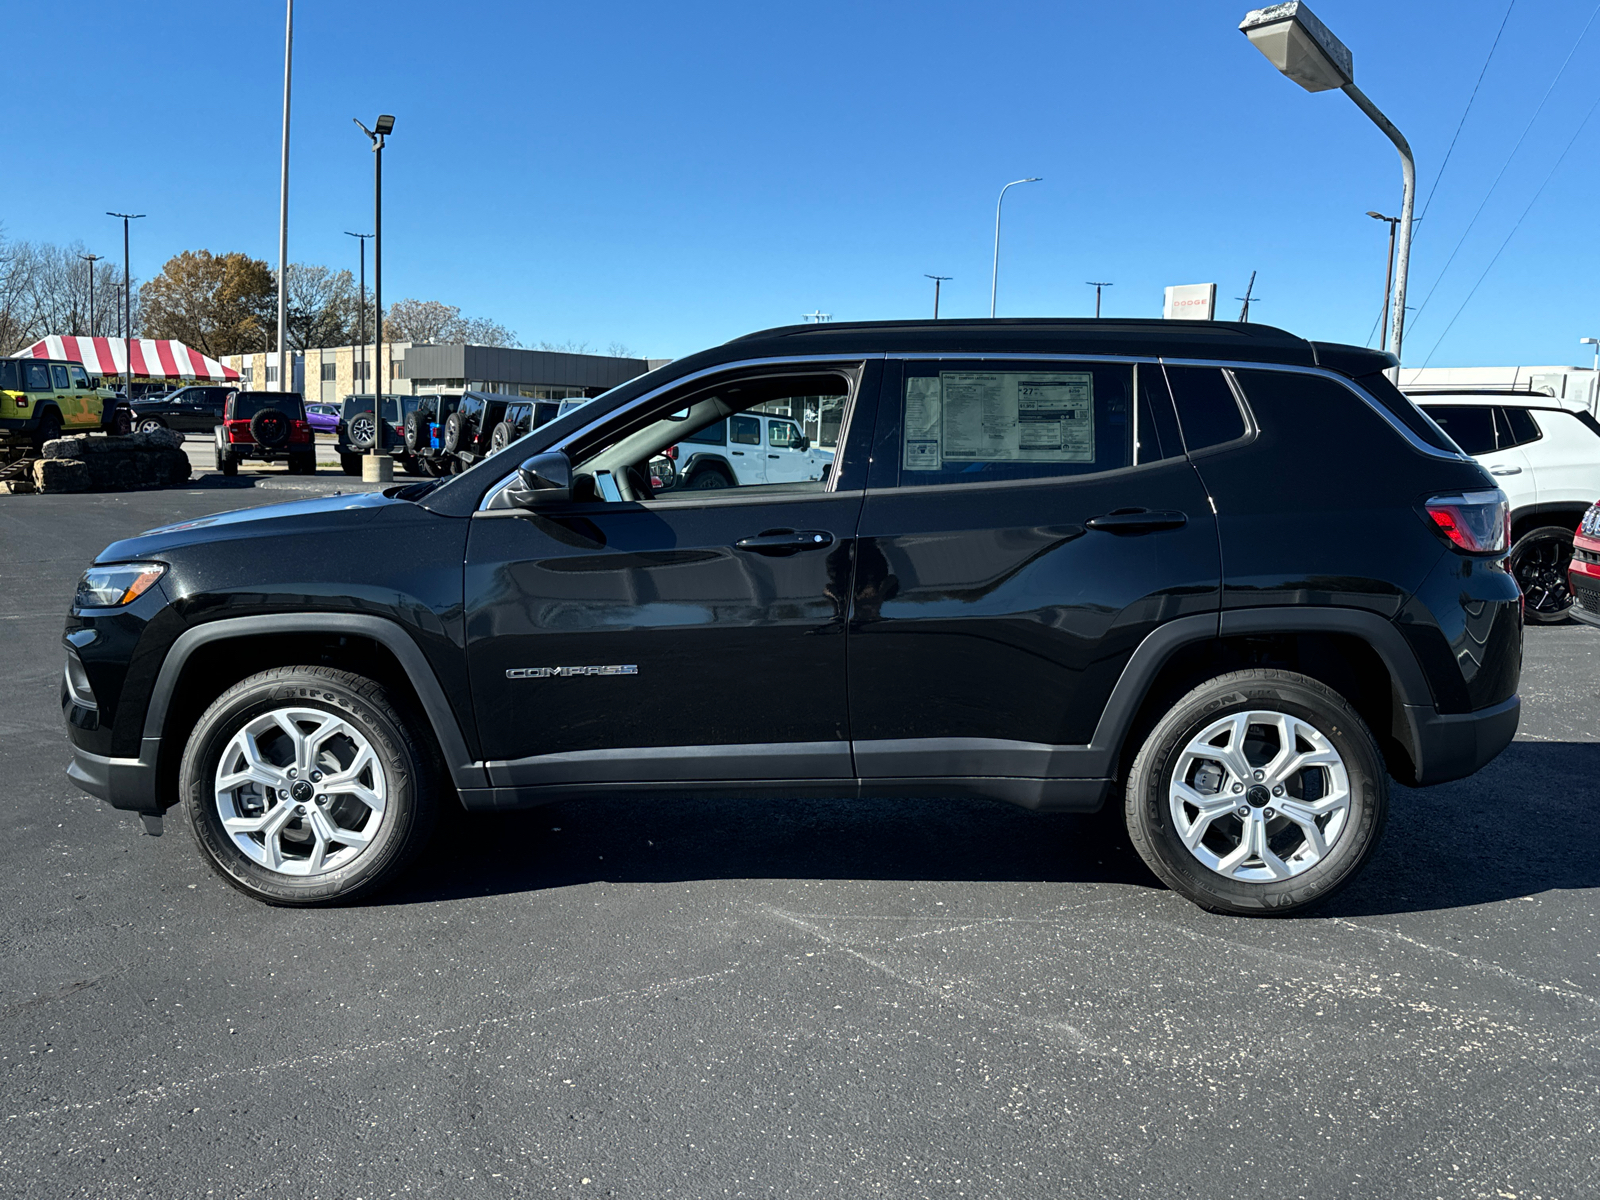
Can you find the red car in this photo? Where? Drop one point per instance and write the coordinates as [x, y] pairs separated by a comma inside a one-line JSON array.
[[1584, 571]]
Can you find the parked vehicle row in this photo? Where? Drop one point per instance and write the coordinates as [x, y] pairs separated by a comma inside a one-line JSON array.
[[1224, 579]]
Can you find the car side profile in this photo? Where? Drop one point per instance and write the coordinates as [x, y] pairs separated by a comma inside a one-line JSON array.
[[747, 449], [1225, 579], [195, 409], [1546, 458]]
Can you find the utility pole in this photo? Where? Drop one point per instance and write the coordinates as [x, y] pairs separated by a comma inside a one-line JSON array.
[[1388, 274], [819, 316], [127, 305], [1249, 294], [285, 381], [91, 259], [361, 305], [378, 467], [937, 280], [1097, 286]]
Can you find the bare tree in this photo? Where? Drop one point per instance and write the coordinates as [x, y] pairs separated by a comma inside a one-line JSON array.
[[618, 350], [570, 346], [431, 322], [322, 307]]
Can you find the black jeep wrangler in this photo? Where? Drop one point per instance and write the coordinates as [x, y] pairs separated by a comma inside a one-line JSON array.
[[1225, 579], [424, 436], [469, 431]]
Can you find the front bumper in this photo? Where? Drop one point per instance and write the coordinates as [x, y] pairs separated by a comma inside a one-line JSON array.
[[125, 783], [1583, 576], [1449, 746]]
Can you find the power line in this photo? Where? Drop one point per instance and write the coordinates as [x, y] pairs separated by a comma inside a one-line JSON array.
[[1507, 163], [1515, 227], [1435, 187]]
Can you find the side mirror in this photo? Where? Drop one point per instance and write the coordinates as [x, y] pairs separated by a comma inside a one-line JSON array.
[[804, 443], [542, 480]]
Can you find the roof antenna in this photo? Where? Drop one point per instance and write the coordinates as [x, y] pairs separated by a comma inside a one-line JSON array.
[[1244, 313]]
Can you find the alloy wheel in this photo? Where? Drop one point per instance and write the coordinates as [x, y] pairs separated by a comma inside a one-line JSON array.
[[1540, 570], [1259, 796], [300, 791], [150, 425]]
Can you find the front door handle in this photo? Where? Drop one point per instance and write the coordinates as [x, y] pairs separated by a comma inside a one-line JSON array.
[[1505, 470], [785, 541], [1137, 520]]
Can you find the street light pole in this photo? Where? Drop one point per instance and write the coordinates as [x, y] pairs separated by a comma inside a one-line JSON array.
[[379, 467], [91, 259], [284, 381], [1388, 275], [127, 305], [1303, 48], [361, 302], [1097, 287], [994, 278], [937, 280]]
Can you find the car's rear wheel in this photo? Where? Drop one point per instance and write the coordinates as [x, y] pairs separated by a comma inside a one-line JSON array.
[[1539, 562], [1260, 792], [48, 430], [308, 785], [151, 424], [350, 464], [707, 478]]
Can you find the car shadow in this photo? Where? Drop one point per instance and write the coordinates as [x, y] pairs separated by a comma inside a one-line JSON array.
[[1525, 824]]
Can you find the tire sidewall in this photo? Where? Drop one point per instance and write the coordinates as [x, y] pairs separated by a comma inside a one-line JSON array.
[[1557, 533], [240, 705], [1150, 819]]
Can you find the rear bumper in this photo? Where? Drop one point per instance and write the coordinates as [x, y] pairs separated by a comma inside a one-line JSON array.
[[1454, 745], [125, 783]]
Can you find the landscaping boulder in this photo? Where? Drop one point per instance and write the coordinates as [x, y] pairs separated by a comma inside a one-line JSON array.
[[94, 462]]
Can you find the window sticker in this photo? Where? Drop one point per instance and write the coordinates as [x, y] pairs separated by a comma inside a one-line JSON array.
[[999, 416]]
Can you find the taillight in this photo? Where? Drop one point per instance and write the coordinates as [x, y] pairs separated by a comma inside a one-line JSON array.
[[1477, 522], [671, 452]]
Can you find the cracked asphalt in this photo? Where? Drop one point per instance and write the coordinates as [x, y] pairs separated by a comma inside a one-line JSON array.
[[816, 998]]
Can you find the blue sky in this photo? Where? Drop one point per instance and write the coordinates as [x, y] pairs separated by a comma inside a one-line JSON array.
[[669, 176]]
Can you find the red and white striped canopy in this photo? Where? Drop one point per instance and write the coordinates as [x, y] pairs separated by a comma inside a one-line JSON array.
[[153, 358]]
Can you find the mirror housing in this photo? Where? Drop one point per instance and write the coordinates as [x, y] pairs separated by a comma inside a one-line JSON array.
[[541, 481], [804, 444]]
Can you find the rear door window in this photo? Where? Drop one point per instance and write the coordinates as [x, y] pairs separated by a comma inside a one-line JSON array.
[[1208, 409], [1470, 426], [711, 435], [744, 431], [58, 376], [36, 376]]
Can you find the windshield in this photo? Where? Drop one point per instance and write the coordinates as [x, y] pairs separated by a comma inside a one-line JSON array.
[[248, 404]]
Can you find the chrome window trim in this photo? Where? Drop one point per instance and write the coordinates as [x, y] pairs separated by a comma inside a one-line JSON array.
[[737, 365]]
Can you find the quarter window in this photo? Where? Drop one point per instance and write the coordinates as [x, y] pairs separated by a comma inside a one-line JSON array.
[[1207, 407], [1470, 426], [1517, 427], [983, 422]]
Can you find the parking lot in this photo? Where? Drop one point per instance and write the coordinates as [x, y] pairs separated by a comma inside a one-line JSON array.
[[816, 998]]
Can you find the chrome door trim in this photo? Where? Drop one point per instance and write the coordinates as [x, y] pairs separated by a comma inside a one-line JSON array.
[[736, 365]]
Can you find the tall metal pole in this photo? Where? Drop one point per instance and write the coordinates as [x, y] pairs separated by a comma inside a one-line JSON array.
[[284, 381], [377, 297], [1097, 286], [937, 280], [361, 301], [1388, 274], [1408, 177], [994, 278], [127, 305], [91, 259]]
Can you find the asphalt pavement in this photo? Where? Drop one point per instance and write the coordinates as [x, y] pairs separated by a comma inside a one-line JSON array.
[[695, 998]]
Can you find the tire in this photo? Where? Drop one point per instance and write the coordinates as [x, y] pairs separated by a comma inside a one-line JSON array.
[[1539, 561], [227, 464], [350, 464], [303, 464], [294, 855], [48, 430], [413, 434], [270, 428], [121, 422], [708, 478], [361, 429], [436, 467], [452, 432], [150, 424], [501, 437], [1323, 722]]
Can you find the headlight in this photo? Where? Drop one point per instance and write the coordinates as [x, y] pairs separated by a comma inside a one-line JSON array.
[[116, 585]]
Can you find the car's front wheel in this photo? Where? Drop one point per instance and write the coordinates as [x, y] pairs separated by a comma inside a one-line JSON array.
[[1539, 562], [308, 785], [150, 425], [1260, 792]]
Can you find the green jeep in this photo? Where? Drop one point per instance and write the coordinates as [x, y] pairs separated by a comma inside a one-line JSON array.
[[44, 398]]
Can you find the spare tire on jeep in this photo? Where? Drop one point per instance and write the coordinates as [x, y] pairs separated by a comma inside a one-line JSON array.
[[502, 437], [452, 432], [413, 432], [270, 428]]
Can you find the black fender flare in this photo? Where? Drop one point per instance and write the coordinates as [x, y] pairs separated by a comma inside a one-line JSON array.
[[703, 459], [465, 772]]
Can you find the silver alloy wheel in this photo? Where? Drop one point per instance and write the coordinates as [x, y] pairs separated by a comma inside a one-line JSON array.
[[361, 430], [1259, 796], [150, 425], [300, 791]]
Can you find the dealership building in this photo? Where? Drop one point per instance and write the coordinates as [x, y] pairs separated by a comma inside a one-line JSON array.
[[330, 374]]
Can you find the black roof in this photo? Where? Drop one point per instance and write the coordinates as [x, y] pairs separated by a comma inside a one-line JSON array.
[[1065, 335]]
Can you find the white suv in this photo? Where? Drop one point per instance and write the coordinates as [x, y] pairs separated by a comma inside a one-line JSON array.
[[748, 449], [1547, 461]]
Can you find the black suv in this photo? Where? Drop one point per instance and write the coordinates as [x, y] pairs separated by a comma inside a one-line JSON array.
[[1224, 578], [424, 435], [188, 410], [469, 431], [354, 432]]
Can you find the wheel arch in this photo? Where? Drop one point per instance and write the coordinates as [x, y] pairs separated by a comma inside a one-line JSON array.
[[703, 461], [1358, 654], [1536, 516], [208, 659]]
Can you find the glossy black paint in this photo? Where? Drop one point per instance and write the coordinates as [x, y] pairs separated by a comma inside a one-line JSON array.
[[195, 409]]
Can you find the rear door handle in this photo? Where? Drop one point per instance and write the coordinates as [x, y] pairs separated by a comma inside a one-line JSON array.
[[785, 541], [1137, 520], [1505, 470], [772, 456]]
